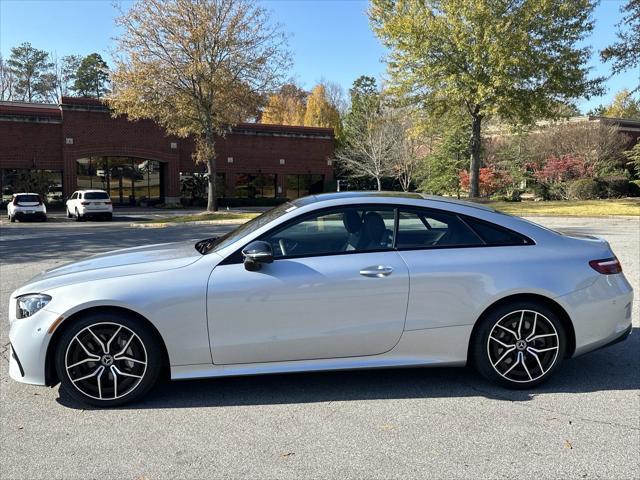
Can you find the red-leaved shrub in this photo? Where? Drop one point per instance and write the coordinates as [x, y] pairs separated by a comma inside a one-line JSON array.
[[490, 180]]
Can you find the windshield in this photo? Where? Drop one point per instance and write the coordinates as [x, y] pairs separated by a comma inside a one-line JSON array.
[[218, 243], [96, 196]]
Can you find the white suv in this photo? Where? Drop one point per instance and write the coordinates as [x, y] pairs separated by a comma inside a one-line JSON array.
[[25, 206], [89, 203]]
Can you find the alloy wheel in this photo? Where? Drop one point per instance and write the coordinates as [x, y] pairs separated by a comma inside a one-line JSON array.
[[523, 346], [106, 361]]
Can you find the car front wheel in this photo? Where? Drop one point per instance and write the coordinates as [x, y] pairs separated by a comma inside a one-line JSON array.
[[107, 359], [519, 345]]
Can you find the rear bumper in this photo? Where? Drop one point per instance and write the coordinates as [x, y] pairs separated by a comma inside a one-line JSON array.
[[620, 338], [600, 313], [97, 214], [20, 215]]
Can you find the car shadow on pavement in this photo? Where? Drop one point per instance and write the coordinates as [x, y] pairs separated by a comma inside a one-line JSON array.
[[613, 368]]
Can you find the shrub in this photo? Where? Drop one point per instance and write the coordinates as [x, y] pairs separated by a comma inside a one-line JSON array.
[[490, 180], [556, 172], [634, 188], [614, 187], [514, 195], [540, 190], [584, 189]]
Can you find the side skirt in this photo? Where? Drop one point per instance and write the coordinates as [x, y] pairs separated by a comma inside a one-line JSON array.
[[445, 346]]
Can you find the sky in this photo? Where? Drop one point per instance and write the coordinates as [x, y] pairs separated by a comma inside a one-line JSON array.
[[329, 39]]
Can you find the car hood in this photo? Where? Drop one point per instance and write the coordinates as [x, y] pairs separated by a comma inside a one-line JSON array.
[[128, 261]]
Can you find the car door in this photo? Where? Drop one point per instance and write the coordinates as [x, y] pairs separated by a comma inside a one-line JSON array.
[[71, 202], [336, 288]]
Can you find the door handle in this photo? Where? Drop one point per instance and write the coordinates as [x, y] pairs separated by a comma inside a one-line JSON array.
[[377, 271]]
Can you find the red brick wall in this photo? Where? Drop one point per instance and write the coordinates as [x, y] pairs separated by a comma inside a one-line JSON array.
[[88, 129], [31, 145]]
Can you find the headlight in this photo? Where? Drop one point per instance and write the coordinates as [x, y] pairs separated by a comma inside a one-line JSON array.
[[30, 304]]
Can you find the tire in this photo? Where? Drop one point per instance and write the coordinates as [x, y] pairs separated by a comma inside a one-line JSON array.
[[12, 218], [109, 217], [510, 337], [69, 214], [92, 377], [77, 216]]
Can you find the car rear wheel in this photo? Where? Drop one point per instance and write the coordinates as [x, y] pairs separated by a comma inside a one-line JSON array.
[[519, 345], [107, 359], [77, 216]]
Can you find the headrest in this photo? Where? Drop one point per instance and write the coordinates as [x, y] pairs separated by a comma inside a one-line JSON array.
[[352, 221], [374, 226]]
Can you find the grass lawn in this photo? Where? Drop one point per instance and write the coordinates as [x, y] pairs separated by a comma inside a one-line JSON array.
[[240, 217], [576, 208]]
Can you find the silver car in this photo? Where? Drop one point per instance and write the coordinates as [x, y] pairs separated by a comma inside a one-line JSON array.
[[327, 282]]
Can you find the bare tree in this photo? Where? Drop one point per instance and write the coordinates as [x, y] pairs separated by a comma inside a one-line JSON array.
[[370, 150], [599, 143], [406, 158], [335, 95], [65, 70], [6, 80]]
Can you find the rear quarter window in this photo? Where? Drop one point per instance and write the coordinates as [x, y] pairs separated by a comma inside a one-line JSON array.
[[495, 235]]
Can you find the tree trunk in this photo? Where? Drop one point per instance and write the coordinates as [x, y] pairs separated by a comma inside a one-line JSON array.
[[475, 146], [212, 197], [379, 183]]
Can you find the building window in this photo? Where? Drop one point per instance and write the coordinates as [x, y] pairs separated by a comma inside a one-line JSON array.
[[261, 185], [46, 183], [302, 185], [127, 180]]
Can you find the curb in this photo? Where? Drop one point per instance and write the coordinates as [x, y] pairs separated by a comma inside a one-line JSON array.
[[195, 222]]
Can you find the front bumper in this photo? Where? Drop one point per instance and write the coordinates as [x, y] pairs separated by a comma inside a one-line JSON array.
[[29, 340]]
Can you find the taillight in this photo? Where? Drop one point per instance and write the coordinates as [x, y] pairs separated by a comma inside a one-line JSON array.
[[39, 200], [85, 203], [108, 202], [606, 266], [15, 201]]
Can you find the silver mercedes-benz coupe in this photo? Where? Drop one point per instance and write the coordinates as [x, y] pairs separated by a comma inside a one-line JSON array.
[[327, 282]]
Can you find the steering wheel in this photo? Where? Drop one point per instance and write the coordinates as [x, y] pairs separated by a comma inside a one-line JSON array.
[[287, 246]]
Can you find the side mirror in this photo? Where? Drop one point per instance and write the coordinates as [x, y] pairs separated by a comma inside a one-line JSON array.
[[257, 253]]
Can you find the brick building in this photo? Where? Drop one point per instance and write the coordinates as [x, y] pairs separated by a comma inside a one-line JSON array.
[[78, 144]]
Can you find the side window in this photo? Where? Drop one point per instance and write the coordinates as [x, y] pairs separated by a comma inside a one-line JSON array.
[[495, 235], [424, 228], [336, 231]]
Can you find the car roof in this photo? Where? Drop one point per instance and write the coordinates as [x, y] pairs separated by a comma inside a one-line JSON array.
[[91, 190], [25, 193], [363, 196]]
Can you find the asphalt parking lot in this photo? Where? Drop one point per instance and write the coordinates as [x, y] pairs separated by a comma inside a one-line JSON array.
[[407, 423]]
